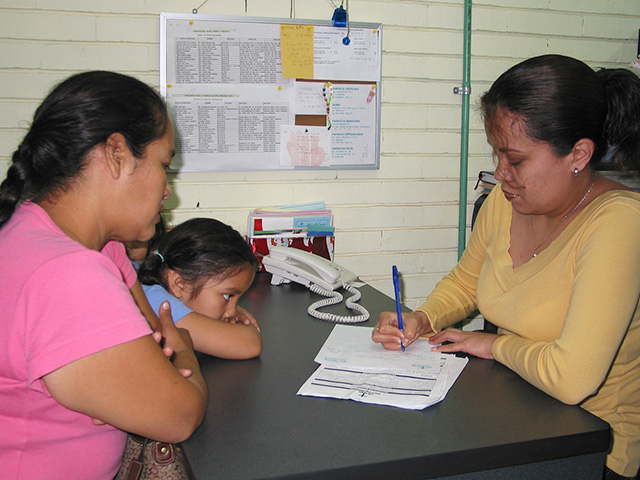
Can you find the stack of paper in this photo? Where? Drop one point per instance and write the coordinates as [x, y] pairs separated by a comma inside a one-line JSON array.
[[352, 367], [301, 220]]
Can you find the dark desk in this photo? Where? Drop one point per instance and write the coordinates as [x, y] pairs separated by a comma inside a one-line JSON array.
[[492, 424]]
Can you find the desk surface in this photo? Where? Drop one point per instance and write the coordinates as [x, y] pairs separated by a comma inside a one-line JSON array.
[[256, 426]]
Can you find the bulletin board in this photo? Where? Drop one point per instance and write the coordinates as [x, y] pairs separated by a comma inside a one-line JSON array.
[[271, 94]]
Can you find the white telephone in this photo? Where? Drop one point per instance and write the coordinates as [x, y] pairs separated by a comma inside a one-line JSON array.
[[320, 275], [291, 264]]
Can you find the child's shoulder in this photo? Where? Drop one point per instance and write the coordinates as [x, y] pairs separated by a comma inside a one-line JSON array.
[[156, 294]]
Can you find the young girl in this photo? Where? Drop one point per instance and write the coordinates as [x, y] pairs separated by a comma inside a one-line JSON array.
[[202, 267]]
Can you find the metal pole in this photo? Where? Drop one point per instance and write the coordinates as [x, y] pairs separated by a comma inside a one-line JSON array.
[[465, 91]]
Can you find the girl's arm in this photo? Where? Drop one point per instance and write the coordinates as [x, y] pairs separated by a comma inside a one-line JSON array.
[[143, 304], [235, 341]]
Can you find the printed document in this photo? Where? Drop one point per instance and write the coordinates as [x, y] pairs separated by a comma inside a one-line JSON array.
[[353, 367]]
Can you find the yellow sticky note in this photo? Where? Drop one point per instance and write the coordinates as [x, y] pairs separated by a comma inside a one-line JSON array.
[[296, 49]]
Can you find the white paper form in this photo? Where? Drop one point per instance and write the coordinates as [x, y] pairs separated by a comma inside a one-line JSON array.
[[355, 368], [352, 345], [234, 124], [309, 99], [358, 61], [352, 135], [353, 125], [305, 146], [226, 95], [205, 52]]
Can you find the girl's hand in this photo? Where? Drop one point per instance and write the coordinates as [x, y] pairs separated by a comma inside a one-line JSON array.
[[478, 344], [244, 317], [391, 337]]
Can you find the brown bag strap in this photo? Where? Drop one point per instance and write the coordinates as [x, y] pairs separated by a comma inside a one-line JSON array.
[[135, 468]]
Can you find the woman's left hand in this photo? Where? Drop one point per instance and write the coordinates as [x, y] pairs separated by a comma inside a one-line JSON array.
[[478, 344]]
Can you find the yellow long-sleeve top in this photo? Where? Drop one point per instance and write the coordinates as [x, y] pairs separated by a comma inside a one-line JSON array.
[[570, 317]]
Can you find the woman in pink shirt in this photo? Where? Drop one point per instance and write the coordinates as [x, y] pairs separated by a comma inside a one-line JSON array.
[[78, 361]]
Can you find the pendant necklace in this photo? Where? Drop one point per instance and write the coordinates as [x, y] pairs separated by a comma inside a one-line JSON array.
[[536, 246]]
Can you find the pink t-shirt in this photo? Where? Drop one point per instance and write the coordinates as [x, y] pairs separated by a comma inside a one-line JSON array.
[[59, 302]]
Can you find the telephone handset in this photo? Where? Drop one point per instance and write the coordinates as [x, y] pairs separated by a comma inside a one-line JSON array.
[[291, 264], [320, 275]]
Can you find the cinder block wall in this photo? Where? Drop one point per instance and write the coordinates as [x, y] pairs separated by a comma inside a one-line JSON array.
[[405, 213]]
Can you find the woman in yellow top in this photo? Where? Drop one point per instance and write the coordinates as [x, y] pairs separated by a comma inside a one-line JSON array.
[[554, 258]]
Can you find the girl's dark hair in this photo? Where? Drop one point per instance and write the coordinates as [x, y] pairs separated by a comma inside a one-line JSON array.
[[561, 100], [198, 249], [78, 114]]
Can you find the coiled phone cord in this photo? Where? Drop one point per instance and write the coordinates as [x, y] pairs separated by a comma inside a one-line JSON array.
[[336, 297]]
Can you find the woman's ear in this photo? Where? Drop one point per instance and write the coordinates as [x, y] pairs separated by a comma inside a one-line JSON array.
[[118, 156], [176, 284], [582, 153]]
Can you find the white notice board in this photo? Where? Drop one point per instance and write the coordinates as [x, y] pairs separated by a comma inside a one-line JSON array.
[[265, 94]]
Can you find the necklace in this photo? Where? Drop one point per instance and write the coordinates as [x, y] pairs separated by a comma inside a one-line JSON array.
[[536, 246]]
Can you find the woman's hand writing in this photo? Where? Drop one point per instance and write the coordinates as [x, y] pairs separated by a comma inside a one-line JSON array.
[[478, 344], [391, 337]]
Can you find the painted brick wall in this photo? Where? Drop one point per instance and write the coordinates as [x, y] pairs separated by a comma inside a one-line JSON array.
[[405, 213]]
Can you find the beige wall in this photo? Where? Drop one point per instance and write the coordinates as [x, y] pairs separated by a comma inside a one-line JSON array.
[[406, 212]]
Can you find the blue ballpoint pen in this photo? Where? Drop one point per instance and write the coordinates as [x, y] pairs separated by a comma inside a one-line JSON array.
[[396, 288]]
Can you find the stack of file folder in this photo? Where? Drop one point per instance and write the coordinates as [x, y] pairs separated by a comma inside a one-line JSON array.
[[306, 226]]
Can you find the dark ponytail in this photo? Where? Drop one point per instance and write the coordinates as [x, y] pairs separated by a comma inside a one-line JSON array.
[[561, 100], [12, 187], [79, 114], [622, 124]]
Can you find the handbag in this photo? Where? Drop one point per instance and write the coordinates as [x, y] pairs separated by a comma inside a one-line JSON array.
[[146, 459]]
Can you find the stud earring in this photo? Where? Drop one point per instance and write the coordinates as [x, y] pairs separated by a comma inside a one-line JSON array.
[[576, 172]]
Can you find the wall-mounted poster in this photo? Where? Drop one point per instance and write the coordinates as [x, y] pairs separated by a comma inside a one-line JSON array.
[[264, 94]]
